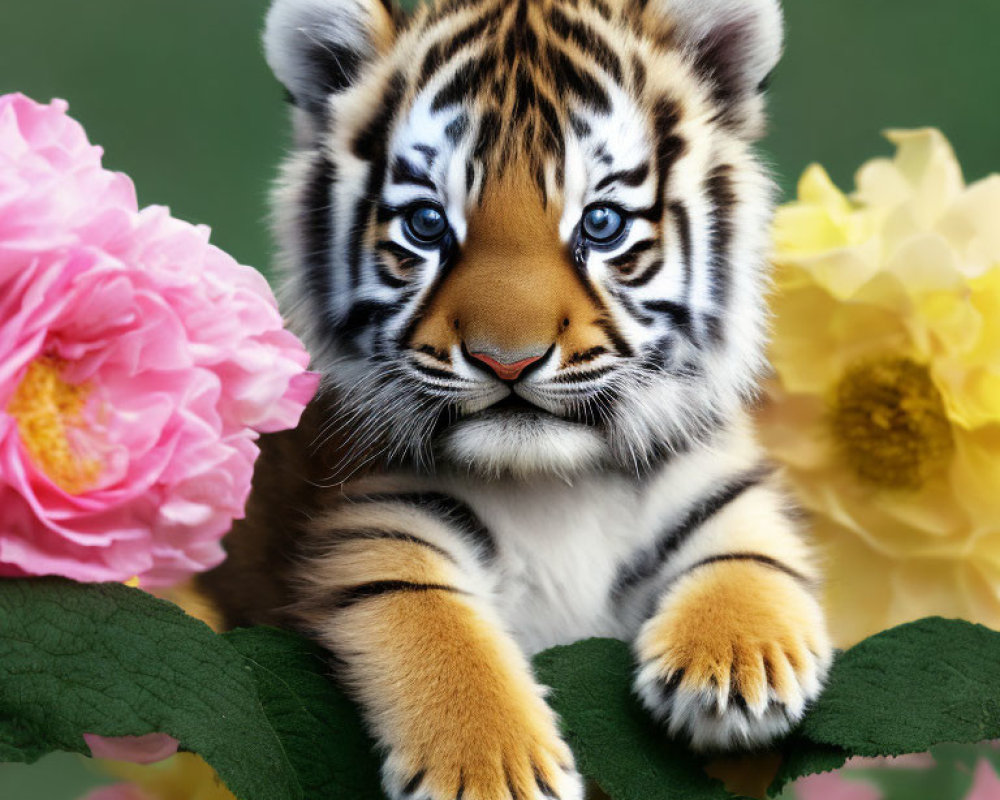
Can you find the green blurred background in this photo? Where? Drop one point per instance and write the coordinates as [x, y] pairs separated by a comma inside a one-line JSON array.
[[179, 96]]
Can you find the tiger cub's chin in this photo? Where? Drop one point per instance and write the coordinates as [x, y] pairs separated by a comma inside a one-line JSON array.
[[522, 444]]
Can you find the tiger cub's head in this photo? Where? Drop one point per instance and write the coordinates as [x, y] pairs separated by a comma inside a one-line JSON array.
[[528, 235]]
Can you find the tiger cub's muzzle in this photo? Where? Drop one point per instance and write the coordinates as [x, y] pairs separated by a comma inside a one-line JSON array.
[[514, 301]]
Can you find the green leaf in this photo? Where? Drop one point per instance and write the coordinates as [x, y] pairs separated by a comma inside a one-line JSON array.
[[802, 757], [902, 691], [615, 742], [320, 729], [259, 706], [115, 661], [911, 687]]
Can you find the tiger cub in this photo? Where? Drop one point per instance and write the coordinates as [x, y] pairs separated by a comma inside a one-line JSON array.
[[526, 244]]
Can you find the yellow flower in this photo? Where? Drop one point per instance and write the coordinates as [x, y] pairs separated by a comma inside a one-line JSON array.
[[884, 406], [184, 776]]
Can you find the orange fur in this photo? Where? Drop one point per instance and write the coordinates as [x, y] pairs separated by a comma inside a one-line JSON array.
[[450, 693], [738, 626]]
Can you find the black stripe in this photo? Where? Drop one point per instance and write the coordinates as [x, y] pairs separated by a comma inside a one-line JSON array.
[[446, 264], [579, 125], [578, 81], [648, 564], [317, 233], [586, 355], [629, 177], [588, 40], [524, 94], [543, 785], [669, 148], [638, 75], [397, 536], [432, 372], [602, 8], [405, 259], [429, 152], [365, 591], [626, 262], [371, 145], [647, 275], [443, 51], [363, 314], [466, 81], [457, 128], [444, 506], [722, 195], [605, 323], [683, 222], [552, 135], [583, 377], [757, 558], [631, 307], [679, 314], [337, 68], [404, 171], [414, 783], [487, 133]]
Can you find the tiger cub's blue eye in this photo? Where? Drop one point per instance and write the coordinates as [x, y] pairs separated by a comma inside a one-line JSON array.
[[426, 223], [602, 224]]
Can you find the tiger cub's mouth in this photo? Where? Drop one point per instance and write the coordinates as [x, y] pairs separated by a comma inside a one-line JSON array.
[[512, 404]]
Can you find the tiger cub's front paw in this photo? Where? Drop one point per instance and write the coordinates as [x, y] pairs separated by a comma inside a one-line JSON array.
[[734, 654], [488, 750]]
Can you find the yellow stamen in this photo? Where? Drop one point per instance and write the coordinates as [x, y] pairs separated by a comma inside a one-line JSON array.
[[47, 410], [889, 420]]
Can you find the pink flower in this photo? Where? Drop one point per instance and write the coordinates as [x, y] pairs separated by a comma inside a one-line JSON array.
[[148, 749], [137, 365], [834, 786], [985, 784]]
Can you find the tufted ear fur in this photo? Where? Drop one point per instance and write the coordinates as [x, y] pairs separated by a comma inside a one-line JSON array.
[[317, 48], [734, 43]]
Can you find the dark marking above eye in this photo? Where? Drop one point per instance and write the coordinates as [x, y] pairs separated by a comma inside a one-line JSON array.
[[579, 125], [602, 155], [428, 152], [404, 171], [628, 177], [457, 128]]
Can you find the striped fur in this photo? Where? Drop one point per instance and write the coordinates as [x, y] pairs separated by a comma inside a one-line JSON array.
[[615, 488]]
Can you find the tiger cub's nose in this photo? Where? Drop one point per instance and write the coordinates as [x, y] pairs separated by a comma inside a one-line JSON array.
[[506, 368]]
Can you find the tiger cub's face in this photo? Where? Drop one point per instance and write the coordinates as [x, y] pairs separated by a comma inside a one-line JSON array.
[[527, 235]]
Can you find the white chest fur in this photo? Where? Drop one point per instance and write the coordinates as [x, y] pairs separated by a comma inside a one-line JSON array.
[[559, 550], [561, 545]]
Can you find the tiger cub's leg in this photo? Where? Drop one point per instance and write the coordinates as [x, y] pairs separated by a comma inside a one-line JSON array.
[[738, 643], [399, 593]]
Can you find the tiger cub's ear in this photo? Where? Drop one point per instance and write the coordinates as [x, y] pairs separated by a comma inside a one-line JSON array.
[[317, 48], [734, 43]]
